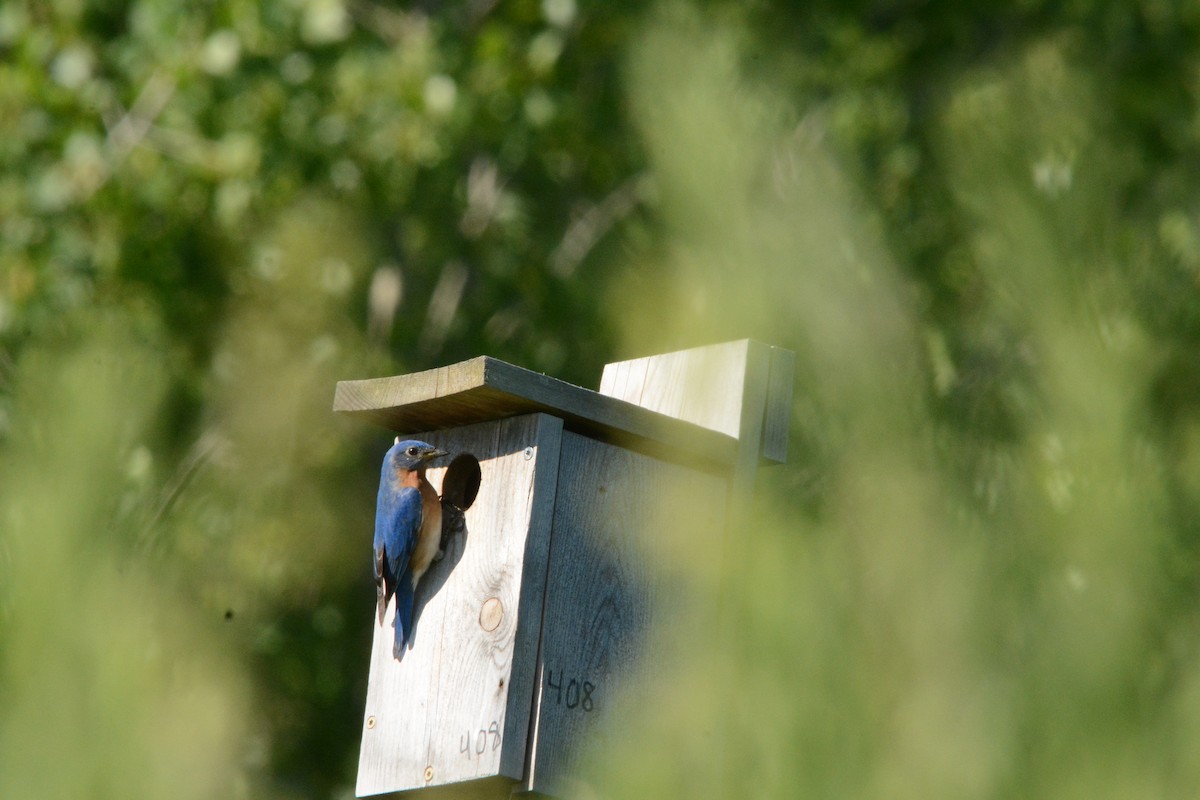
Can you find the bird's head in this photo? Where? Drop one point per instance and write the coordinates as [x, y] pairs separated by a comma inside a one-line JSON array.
[[412, 454]]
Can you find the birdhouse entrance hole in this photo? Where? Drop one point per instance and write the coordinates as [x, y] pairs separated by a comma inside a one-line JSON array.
[[460, 487]]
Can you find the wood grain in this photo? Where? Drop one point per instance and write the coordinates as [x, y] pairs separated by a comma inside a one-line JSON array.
[[457, 706], [484, 388]]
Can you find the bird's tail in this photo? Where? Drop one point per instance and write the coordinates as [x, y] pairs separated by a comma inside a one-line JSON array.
[[404, 617]]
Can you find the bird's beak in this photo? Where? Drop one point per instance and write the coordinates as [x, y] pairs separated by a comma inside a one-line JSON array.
[[432, 454]]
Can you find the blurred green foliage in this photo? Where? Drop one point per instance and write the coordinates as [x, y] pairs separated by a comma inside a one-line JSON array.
[[975, 224]]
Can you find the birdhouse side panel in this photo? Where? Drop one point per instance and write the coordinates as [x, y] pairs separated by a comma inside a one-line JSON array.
[[456, 706], [628, 528]]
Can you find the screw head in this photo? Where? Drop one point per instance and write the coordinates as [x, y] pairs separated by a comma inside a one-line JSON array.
[[528, 453], [370, 722], [428, 774]]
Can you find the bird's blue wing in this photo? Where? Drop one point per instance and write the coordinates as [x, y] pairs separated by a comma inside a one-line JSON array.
[[397, 520]]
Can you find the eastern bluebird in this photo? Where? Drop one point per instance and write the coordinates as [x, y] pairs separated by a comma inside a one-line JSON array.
[[408, 529]]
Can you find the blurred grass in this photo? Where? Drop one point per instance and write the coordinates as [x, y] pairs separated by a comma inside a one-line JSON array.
[[166, 618], [110, 684], [940, 614]]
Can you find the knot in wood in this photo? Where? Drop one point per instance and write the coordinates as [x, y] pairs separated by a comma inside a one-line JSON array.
[[491, 614]]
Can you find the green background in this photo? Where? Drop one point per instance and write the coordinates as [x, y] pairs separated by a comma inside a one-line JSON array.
[[976, 225]]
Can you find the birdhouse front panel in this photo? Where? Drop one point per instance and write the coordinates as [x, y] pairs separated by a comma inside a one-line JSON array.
[[455, 706]]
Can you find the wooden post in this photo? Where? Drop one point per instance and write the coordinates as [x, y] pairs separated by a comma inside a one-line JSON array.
[[527, 629]]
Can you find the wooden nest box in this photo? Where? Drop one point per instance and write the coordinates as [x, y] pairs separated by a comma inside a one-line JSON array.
[[526, 629]]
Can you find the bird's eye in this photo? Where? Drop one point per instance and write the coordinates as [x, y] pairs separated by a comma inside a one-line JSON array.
[[412, 451]]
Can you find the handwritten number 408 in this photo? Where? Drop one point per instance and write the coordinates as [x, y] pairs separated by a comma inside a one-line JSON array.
[[576, 693], [479, 742]]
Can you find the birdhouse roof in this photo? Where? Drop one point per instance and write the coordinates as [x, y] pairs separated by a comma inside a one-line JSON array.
[[486, 388]]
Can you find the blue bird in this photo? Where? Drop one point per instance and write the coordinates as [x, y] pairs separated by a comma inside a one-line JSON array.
[[408, 530]]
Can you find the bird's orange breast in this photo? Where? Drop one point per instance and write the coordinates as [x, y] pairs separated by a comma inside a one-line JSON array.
[[429, 535]]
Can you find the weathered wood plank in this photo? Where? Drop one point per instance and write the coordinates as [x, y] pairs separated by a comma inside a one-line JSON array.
[[624, 380], [457, 706], [702, 385], [709, 386], [605, 589], [484, 388]]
